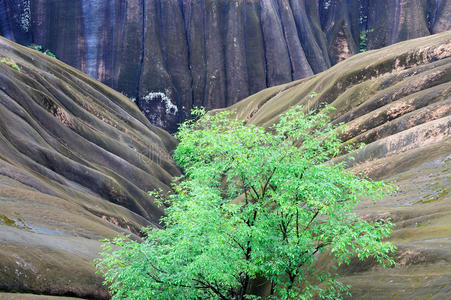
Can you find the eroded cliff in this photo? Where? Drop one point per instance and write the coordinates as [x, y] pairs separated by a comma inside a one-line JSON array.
[[212, 52], [76, 161], [397, 101]]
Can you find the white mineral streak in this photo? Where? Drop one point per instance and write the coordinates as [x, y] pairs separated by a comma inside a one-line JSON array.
[[170, 107]]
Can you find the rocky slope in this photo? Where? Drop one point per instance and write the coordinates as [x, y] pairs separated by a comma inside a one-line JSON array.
[[76, 161], [397, 100], [211, 52]]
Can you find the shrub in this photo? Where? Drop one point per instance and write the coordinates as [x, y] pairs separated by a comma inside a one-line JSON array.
[[364, 39], [253, 205], [40, 49]]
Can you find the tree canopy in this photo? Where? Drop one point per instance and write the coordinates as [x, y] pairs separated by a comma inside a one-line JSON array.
[[253, 212]]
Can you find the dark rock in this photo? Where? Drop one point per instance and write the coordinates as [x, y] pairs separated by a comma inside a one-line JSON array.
[[211, 52]]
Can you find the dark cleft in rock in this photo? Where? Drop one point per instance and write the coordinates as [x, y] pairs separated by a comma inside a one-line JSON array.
[[212, 52], [76, 161], [396, 100]]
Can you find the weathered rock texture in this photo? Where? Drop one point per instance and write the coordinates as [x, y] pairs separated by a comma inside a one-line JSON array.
[[76, 161], [19, 296], [211, 52], [397, 100]]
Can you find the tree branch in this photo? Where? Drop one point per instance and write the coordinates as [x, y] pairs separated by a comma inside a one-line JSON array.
[[207, 285]]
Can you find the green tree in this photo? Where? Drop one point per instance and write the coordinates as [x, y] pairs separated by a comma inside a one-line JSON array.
[[254, 205]]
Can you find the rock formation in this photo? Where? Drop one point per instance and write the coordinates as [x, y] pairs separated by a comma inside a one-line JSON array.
[[76, 157], [76, 161], [211, 52], [397, 101]]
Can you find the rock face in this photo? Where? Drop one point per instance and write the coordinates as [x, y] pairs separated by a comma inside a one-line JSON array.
[[397, 101], [211, 52], [76, 161]]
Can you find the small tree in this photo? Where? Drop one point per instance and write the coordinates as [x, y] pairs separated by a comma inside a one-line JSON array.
[[253, 204]]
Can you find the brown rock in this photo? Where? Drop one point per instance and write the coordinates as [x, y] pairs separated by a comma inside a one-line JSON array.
[[76, 161]]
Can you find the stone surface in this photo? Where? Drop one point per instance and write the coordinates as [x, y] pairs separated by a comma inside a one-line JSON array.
[[18, 296], [396, 100], [76, 161], [211, 52]]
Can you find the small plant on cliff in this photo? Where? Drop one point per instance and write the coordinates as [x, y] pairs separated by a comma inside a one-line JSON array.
[[251, 216], [40, 49], [10, 63], [364, 39]]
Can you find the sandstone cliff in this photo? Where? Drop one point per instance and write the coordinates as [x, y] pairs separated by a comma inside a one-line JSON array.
[[211, 52], [397, 100], [76, 162]]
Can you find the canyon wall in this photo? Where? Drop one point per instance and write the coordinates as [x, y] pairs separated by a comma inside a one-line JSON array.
[[172, 55]]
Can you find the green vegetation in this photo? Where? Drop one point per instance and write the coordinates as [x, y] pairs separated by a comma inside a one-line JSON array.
[[364, 39], [47, 52], [253, 212], [40, 49], [313, 94], [36, 47], [10, 63]]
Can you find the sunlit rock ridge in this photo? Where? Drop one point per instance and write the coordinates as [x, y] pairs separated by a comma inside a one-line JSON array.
[[211, 52]]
